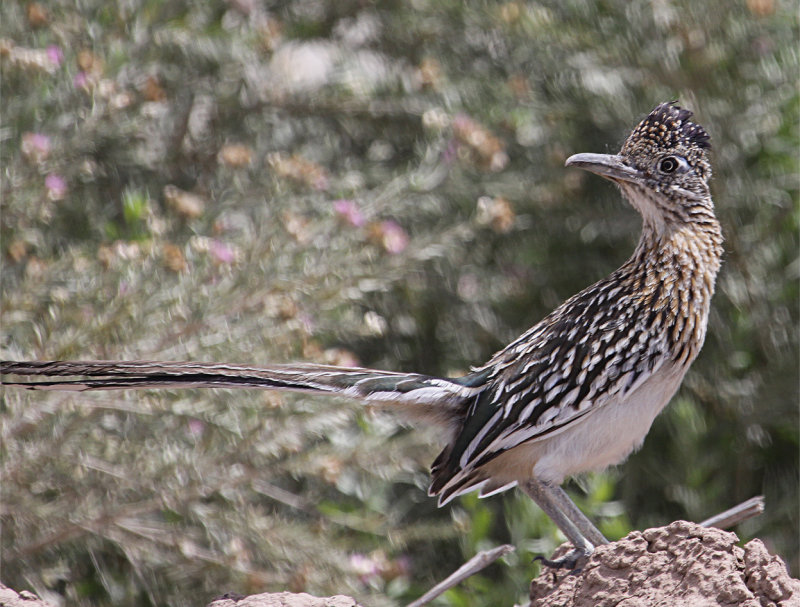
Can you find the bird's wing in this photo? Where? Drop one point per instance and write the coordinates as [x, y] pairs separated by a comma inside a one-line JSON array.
[[558, 372]]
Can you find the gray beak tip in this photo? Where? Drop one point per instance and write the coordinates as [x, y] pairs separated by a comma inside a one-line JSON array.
[[610, 166]]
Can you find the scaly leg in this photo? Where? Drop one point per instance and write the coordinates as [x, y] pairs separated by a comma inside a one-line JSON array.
[[540, 493], [568, 507]]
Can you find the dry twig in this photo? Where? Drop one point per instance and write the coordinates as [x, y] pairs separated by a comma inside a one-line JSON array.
[[733, 516], [476, 563]]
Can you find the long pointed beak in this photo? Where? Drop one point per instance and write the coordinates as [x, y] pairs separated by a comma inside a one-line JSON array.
[[609, 166]]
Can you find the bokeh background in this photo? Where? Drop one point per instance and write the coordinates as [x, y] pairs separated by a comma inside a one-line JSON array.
[[373, 183]]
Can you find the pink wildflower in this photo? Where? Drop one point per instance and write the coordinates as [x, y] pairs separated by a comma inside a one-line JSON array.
[[56, 186], [81, 80], [366, 567], [221, 252], [195, 428], [394, 237], [349, 211], [35, 147], [55, 55]]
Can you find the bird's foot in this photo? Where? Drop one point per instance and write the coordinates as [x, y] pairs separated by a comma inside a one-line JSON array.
[[574, 560]]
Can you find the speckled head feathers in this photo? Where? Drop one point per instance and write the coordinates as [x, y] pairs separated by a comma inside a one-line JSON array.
[[669, 130]]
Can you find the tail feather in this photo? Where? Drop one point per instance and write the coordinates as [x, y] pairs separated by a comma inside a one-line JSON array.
[[441, 401], [420, 392]]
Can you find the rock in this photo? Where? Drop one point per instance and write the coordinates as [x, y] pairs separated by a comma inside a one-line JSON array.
[[11, 598], [681, 565], [283, 599]]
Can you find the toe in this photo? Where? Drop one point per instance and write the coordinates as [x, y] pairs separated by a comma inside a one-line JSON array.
[[573, 560]]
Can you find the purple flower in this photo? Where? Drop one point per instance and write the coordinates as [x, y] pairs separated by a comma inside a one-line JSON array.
[[55, 55], [366, 567], [195, 428], [394, 238], [221, 252], [81, 80], [35, 147], [56, 186], [450, 152], [462, 121], [349, 211]]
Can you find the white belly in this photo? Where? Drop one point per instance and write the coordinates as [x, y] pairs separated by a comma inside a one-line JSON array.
[[608, 435]]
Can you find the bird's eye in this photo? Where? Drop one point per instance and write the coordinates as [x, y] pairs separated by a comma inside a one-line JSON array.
[[673, 164]]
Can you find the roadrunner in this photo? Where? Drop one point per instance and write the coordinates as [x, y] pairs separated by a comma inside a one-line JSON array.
[[576, 392]]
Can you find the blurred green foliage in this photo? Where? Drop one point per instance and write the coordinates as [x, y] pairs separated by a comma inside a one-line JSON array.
[[372, 183]]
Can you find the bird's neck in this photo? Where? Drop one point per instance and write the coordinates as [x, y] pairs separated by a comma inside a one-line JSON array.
[[679, 267], [689, 249]]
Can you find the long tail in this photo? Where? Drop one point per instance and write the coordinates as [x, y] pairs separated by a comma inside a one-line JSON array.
[[419, 395]]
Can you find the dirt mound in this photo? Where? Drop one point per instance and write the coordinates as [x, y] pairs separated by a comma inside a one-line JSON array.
[[284, 599], [680, 565]]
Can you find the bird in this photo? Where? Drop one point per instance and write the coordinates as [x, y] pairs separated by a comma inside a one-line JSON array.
[[576, 392]]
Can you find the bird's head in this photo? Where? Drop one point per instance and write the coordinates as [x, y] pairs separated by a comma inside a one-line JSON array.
[[662, 168]]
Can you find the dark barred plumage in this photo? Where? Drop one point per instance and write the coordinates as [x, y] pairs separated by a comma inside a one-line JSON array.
[[576, 392]]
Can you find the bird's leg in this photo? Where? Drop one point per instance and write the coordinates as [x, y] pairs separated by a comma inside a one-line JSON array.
[[540, 493], [579, 519]]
